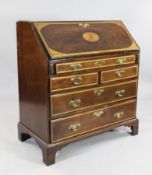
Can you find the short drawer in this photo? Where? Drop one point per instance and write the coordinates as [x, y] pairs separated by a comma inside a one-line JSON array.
[[93, 64], [68, 102], [119, 74], [65, 128], [74, 81]]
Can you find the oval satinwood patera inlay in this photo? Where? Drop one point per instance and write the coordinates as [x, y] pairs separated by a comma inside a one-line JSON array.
[[90, 36]]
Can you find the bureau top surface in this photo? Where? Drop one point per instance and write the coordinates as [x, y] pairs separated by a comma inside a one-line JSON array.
[[65, 39]]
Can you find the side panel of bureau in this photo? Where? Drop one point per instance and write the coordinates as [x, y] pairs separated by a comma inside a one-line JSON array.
[[33, 82]]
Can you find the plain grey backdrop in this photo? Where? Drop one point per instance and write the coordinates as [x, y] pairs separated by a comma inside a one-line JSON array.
[[108, 153]]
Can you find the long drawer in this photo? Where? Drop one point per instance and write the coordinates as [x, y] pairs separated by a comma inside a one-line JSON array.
[[64, 128], [93, 64], [68, 102]]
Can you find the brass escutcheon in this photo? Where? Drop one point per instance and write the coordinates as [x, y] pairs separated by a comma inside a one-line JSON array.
[[90, 36], [100, 62], [76, 80], [98, 91], [84, 25]]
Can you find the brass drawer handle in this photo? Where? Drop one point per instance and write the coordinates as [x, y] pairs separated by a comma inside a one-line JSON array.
[[75, 103], [120, 92], [75, 67], [120, 73], [76, 80], [98, 114], [100, 62], [98, 91], [74, 127], [119, 115], [121, 60]]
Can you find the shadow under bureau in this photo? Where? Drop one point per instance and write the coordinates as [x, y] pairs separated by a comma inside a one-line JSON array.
[[76, 79]]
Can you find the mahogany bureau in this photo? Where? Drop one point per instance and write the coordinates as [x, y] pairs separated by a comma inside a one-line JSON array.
[[76, 79]]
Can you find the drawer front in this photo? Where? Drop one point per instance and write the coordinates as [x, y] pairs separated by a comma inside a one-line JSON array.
[[74, 81], [119, 74], [89, 121], [92, 64], [68, 102]]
